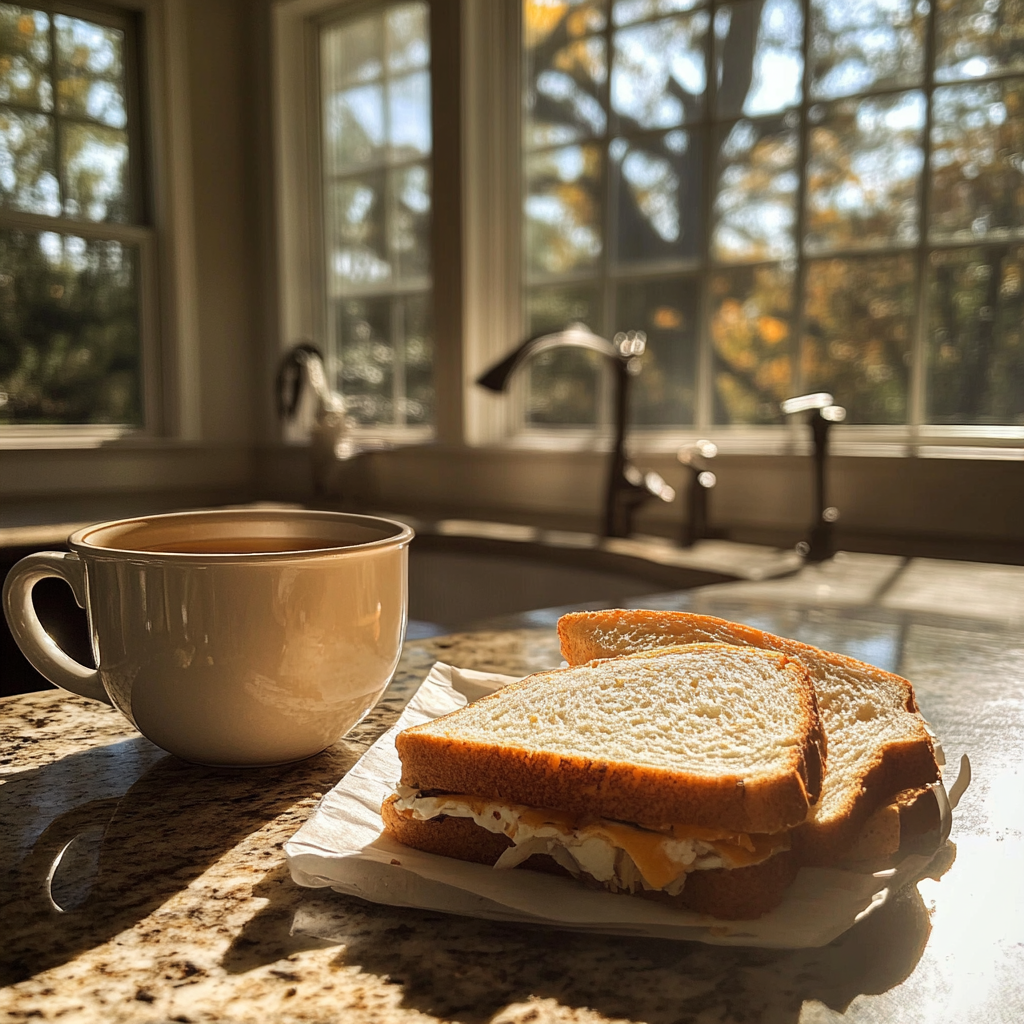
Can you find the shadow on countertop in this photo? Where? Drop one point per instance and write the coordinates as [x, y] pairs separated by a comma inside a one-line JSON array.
[[468, 970]]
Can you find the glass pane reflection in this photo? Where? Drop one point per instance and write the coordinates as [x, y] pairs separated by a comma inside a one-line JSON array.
[[367, 359], [976, 336], [666, 391], [977, 160], [408, 37], [563, 387], [563, 209], [863, 173], [90, 71], [25, 57], [70, 350], [978, 37], [28, 179], [409, 115], [352, 51], [409, 223], [755, 192], [658, 208], [416, 406], [95, 172], [752, 342], [759, 62], [356, 254], [858, 329], [563, 99], [625, 12], [659, 75], [857, 45]]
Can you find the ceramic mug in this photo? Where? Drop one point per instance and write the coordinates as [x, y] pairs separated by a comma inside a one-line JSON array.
[[235, 637]]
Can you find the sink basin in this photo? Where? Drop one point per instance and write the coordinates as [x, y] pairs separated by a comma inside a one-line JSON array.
[[458, 583]]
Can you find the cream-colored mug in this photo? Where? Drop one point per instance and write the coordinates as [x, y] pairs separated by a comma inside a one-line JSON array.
[[235, 637]]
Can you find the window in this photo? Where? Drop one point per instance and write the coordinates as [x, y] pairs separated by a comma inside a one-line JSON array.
[[375, 160], [73, 248], [786, 196]]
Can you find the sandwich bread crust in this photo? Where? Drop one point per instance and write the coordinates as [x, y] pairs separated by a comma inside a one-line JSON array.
[[878, 744], [708, 734]]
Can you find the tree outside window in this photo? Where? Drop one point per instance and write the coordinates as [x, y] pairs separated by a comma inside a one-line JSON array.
[[787, 196], [70, 210]]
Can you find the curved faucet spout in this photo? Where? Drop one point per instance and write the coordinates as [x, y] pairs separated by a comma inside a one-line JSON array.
[[627, 487], [575, 336]]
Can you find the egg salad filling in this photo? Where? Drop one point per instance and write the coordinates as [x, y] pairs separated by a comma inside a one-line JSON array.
[[624, 856]]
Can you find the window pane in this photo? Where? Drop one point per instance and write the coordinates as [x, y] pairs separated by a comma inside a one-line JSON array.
[[759, 60], [659, 76], [976, 336], [978, 37], [25, 57], [353, 127], [408, 37], [351, 52], [665, 391], [625, 12], [563, 206], [752, 342], [90, 71], [977, 160], [864, 172], [755, 194], [409, 116], [417, 407], [69, 336], [857, 45], [564, 385], [409, 223], [859, 324], [356, 254], [28, 179], [95, 172], [367, 359], [377, 199], [658, 209], [565, 83]]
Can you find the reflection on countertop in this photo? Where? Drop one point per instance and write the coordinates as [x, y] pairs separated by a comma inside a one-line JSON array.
[[177, 904]]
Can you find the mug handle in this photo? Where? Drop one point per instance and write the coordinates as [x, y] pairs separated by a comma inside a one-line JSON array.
[[36, 644]]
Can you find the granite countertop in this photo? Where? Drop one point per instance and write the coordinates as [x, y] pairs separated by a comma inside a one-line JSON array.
[[174, 903]]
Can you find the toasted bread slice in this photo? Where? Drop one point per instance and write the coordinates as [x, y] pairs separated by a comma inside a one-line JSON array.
[[878, 744], [735, 894], [710, 734]]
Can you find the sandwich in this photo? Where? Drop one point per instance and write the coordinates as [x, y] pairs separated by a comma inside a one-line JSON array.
[[677, 774], [877, 801]]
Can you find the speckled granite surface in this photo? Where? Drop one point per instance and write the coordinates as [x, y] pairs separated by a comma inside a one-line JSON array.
[[177, 905]]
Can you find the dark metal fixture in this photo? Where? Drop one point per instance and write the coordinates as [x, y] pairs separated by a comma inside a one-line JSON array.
[[823, 413], [627, 487], [695, 458]]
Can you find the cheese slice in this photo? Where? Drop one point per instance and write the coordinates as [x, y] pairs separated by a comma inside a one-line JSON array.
[[615, 852]]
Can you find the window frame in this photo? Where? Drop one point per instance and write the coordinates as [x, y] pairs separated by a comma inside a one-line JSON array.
[[135, 18], [303, 290], [914, 437]]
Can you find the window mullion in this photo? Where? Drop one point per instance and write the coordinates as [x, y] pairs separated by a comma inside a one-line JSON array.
[[919, 342], [704, 405], [798, 316], [57, 147]]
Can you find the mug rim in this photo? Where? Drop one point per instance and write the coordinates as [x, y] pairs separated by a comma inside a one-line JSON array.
[[80, 543]]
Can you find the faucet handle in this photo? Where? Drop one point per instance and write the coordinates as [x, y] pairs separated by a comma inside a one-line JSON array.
[[692, 454]]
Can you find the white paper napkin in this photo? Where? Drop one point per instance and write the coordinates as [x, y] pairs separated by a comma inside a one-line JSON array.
[[342, 846]]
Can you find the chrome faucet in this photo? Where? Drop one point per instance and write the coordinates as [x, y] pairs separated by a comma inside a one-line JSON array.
[[696, 458], [627, 488], [823, 413]]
